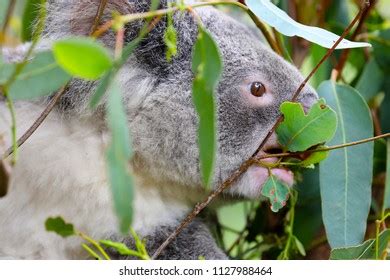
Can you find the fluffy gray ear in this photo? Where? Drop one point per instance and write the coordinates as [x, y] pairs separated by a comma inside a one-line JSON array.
[[77, 17]]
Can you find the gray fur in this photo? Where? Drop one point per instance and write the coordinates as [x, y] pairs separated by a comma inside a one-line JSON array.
[[162, 118], [193, 243]]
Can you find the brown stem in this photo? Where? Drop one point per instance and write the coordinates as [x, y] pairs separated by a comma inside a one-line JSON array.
[[10, 10], [368, 5], [200, 206], [99, 14], [38, 121], [325, 149]]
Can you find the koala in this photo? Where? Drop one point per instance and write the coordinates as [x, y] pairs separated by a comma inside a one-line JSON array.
[[61, 169]]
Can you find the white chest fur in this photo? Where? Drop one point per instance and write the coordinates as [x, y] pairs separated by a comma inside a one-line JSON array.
[[61, 172]]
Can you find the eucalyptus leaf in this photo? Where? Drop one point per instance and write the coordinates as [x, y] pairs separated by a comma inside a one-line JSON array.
[[59, 226], [363, 251], [276, 191], [346, 175], [82, 57], [30, 16], [371, 80], [299, 131], [118, 157], [207, 67], [170, 38], [315, 158], [277, 18], [41, 76], [120, 247]]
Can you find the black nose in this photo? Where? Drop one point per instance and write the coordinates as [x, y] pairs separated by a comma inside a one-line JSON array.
[[307, 97]]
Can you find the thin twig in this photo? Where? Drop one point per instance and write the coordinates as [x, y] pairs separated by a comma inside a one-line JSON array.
[[236, 174], [98, 17], [10, 10], [325, 149], [38, 121], [368, 5], [137, 16]]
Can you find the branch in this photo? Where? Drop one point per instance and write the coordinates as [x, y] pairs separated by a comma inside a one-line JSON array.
[[10, 10], [200, 206], [98, 17], [325, 149], [37, 122], [368, 5]]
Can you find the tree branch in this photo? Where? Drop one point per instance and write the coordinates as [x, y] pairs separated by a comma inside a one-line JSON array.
[[37, 122], [98, 17], [200, 206], [325, 149], [368, 4]]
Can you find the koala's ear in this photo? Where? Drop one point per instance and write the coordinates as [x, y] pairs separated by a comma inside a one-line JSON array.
[[77, 17], [151, 51]]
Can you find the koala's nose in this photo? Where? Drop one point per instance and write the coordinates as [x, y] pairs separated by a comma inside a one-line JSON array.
[[307, 97]]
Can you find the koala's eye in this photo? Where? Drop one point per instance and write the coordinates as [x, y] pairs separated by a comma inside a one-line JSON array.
[[257, 89]]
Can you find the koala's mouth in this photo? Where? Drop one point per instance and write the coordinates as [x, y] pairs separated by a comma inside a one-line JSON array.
[[283, 174]]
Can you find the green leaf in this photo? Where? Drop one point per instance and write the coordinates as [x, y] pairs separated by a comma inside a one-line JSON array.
[[170, 38], [277, 18], [6, 71], [363, 251], [315, 158], [277, 192], [323, 73], [59, 226], [346, 175], [386, 201], [299, 131], [30, 16], [3, 10], [207, 67], [380, 41], [41, 76], [308, 216], [120, 247], [298, 245], [82, 57], [371, 80], [102, 88], [118, 157]]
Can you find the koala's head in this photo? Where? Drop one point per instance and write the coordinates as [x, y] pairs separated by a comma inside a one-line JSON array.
[[162, 118]]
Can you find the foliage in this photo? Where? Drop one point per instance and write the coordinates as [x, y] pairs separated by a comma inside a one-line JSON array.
[[64, 229], [355, 106], [207, 67], [299, 132]]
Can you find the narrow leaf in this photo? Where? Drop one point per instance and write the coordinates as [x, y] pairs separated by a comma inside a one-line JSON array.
[[346, 175], [277, 192], [314, 158], [371, 80], [363, 251], [277, 18], [30, 16], [207, 67], [120, 247], [82, 57], [118, 156], [59, 226], [41, 76], [299, 131]]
